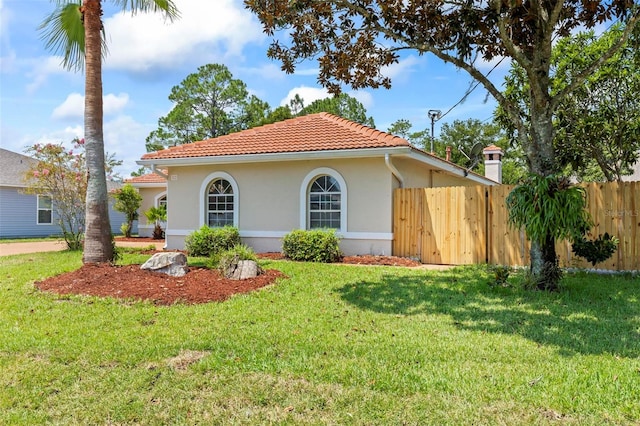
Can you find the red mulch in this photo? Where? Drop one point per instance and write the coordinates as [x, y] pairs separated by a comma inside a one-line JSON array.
[[200, 285]]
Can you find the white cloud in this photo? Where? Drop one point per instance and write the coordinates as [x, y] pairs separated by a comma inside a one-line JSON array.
[[124, 137], [113, 104], [73, 106], [402, 69], [308, 94], [365, 98], [205, 30]]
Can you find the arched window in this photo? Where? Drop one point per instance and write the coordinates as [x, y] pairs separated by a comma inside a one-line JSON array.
[[162, 201], [325, 203], [219, 203]]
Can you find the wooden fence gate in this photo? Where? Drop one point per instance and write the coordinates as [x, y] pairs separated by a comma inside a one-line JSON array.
[[466, 225]]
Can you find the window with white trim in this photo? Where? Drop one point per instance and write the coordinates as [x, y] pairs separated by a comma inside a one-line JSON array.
[[220, 203], [162, 201], [325, 203], [45, 212]]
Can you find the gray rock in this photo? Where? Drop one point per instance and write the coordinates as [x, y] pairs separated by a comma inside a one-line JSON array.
[[170, 263], [243, 269]]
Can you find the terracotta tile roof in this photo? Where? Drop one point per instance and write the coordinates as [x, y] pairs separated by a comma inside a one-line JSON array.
[[314, 132], [148, 178]]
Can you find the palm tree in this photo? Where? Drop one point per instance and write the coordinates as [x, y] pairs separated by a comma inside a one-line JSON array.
[[75, 31]]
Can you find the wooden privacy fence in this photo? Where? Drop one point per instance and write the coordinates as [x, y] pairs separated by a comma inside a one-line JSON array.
[[466, 225]]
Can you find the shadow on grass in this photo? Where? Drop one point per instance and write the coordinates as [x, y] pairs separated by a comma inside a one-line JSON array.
[[597, 319]]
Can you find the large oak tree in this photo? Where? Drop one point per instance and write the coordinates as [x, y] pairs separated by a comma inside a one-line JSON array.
[[354, 40]]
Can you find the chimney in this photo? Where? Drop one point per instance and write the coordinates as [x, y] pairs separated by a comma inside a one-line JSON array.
[[493, 163], [448, 153]]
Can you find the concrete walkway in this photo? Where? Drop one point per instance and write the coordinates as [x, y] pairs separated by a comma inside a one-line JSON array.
[[7, 249]]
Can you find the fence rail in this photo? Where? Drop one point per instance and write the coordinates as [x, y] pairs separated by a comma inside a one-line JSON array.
[[465, 225]]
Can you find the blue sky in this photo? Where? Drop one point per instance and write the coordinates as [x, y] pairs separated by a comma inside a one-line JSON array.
[[42, 102]]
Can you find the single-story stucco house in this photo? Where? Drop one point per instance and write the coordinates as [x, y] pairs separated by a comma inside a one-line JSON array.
[[26, 215], [153, 189], [314, 171]]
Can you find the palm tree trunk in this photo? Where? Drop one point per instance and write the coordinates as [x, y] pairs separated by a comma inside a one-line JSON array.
[[97, 244]]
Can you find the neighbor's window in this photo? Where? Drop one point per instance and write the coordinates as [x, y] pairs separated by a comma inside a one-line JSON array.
[[162, 201], [45, 216], [324, 203], [220, 203]]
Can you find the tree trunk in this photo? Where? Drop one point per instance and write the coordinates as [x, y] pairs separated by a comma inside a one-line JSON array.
[[541, 155], [97, 243]]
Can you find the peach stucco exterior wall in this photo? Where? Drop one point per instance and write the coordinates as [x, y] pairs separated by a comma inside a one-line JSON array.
[[269, 203], [417, 175], [149, 196]]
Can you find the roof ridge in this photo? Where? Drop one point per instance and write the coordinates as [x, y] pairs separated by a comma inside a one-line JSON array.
[[312, 132]]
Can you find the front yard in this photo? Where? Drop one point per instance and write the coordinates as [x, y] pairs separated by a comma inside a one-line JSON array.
[[329, 344]]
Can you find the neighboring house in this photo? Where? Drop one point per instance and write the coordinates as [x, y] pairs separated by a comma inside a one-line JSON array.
[[153, 189], [315, 171], [26, 215]]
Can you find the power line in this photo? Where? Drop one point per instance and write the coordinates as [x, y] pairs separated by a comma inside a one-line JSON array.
[[470, 90]]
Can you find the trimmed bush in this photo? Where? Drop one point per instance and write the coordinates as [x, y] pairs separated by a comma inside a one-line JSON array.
[[312, 246], [211, 241]]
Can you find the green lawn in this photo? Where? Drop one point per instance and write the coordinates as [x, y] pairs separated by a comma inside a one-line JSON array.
[[331, 344]]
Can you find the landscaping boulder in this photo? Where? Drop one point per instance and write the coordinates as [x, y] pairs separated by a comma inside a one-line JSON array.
[[243, 269], [171, 263]]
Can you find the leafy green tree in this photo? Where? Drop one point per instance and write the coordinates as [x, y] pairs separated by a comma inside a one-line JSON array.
[[344, 106], [549, 209], [74, 29], [60, 173], [461, 136], [128, 201], [141, 171], [337, 32], [598, 125], [208, 103]]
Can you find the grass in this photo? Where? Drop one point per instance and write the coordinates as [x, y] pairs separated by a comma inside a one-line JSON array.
[[331, 344]]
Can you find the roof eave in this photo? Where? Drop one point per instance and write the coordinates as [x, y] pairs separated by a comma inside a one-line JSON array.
[[148, 184], [449, 167], [279, 156]]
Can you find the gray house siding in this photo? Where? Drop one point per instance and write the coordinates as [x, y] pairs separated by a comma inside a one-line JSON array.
[[19, 216]]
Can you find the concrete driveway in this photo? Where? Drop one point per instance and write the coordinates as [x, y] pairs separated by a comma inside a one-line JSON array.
[[7, 249]]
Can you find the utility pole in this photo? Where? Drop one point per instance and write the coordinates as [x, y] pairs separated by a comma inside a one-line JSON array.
[[434, 114]]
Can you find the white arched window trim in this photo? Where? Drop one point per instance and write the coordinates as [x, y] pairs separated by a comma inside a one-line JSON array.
[[304, 196], [203, 196], [157, 198]]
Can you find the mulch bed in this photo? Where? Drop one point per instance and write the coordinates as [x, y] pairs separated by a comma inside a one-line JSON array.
[[200, 285]]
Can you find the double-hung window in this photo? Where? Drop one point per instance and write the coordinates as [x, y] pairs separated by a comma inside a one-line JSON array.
[[45, 210]]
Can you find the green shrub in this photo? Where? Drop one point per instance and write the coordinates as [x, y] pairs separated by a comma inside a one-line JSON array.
[[597, 250], [224, 259], [501, 275], [312, 246], [211, 241]]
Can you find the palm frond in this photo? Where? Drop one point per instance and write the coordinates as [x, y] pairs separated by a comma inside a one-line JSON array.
[[63, 33], [166, 7]]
